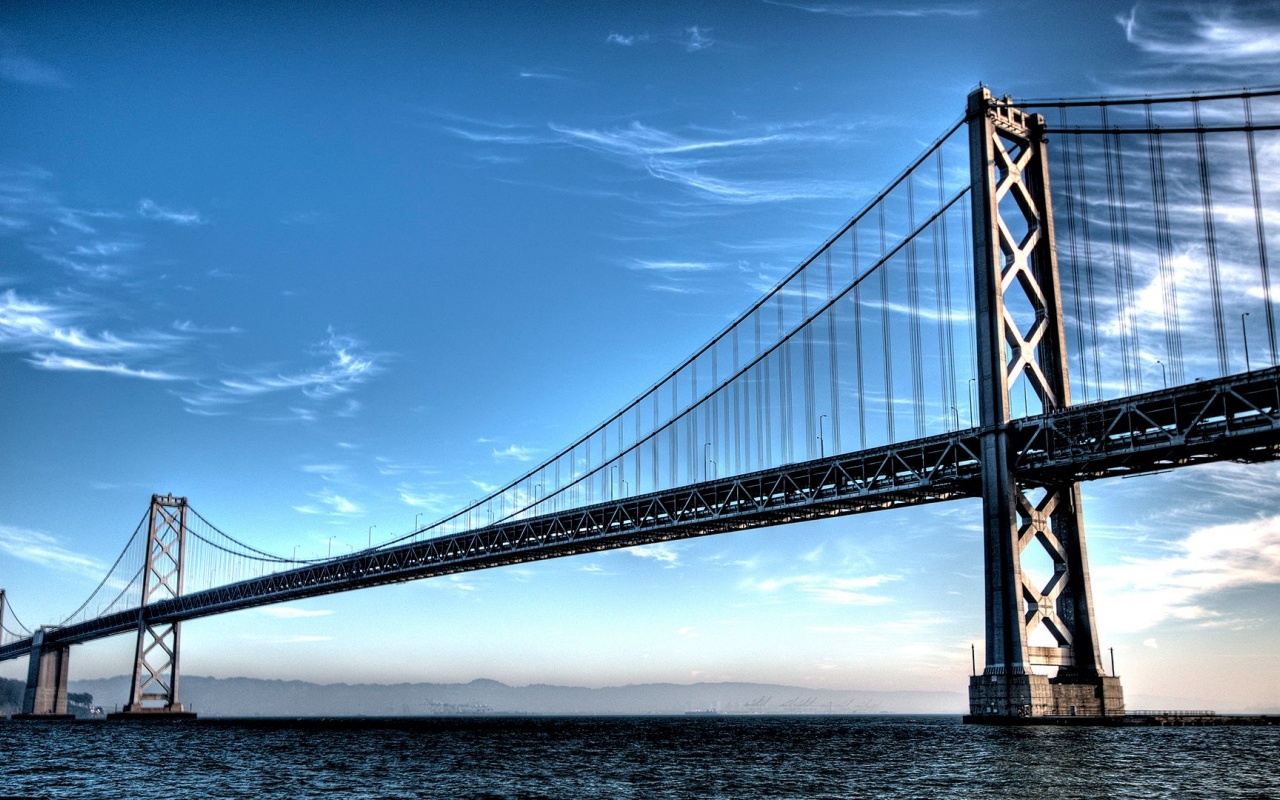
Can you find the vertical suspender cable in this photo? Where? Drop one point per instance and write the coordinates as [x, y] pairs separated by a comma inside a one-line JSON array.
[[1090, 291], [1261, 231], [942, 286], [1073, 262], [1211, 242], [1126, 273], [1164, 251], [833, 336], [913, 306], [885, 333], [857, 349], [1117, 265]]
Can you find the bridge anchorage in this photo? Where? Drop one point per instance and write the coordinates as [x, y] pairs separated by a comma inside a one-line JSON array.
[[788, 414]]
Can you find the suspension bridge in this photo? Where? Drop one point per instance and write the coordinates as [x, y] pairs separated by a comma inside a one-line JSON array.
[[1054, 291]]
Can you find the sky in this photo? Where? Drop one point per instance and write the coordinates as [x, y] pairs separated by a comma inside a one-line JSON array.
[[334, 273]]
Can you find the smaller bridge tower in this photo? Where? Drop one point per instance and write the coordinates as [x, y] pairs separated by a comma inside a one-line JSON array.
[[154, 691]]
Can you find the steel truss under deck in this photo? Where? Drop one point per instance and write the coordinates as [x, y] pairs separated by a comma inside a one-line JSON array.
[[1235, 418]]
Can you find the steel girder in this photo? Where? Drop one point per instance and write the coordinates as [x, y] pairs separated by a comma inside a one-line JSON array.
[[1229, 419]]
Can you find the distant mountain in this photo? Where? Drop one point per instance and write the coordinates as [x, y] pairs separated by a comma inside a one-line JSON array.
[[251, 697]]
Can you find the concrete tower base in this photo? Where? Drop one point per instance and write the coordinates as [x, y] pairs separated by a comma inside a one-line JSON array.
[[996, 697]]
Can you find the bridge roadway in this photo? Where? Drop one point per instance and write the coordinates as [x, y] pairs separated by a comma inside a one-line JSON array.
[[1234, 418]]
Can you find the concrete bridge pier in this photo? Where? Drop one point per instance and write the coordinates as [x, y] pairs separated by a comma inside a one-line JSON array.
[[45, 697]]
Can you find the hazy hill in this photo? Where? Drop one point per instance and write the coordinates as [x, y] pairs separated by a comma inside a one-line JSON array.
[[248, 697]]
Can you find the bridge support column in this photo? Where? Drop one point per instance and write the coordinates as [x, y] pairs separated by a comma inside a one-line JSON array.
[[1020, 337], [154, 691], [46, 693]]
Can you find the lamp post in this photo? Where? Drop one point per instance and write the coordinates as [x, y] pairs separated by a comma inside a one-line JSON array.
[[330, 547], [822, 443], [957, 413], [371, 527], [612, 471], [971, 380], [415, 520], [1164, 377], [706, 459], [1245, 332]]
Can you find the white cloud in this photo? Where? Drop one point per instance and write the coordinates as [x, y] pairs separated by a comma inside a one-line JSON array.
[[1204, 35], [1207, 562], [903, 11], [296, 639], [516, 452], [338, 506], [20, 69], [672, 266], [661, 552], [51, 361], [149, 209], [27, 324], [40, 548], [293, 612], [347, 367], [434, 502], [695, 39], [627, 39], [828, 588]]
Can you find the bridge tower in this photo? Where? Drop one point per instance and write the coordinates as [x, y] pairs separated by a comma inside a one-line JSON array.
[[1020, 336], [154, 691], [45, 696]]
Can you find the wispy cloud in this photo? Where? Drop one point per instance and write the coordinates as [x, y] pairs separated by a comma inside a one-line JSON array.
[[827, 588], [1181, 584], [40, 548], [627, 39], [295, 639], [347, 366], [149, 209], [27, 324], [516, 452], [672, 266], [1204, 34], [29, 72], [334, 505], [905, 11], [696, 38], [51, 361], [661, 552], [187, 326], [433, 502], [293, 612], [325, 471], [47, 333], [544, 74]]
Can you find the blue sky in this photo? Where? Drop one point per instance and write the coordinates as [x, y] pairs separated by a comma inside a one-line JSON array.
[[321, 271]]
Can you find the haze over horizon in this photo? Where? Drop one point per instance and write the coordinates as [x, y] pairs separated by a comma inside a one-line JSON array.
[[331, 273]]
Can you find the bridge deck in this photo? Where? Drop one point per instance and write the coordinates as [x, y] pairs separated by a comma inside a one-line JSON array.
[[1233, 418]]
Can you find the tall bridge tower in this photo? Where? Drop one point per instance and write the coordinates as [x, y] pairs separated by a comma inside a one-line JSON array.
[[1020, 337], [154, 689]]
